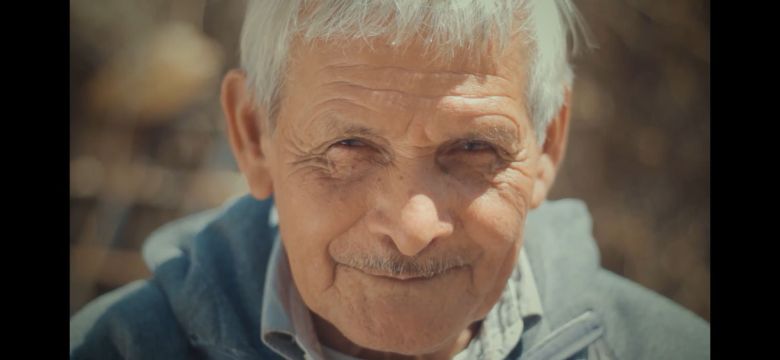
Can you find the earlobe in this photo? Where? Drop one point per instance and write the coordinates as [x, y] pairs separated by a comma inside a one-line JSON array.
[[544, 180], [244, 125]]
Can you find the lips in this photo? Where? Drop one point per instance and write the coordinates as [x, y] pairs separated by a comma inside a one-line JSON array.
[[403, 276], [395, 276]]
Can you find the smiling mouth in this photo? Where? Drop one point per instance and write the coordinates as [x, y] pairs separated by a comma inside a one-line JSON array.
[[405, 276]]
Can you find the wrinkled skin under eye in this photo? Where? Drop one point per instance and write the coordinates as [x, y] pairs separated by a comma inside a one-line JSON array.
[[472, 159], [352, 158]]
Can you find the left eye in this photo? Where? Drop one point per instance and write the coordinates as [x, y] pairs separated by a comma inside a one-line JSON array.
[[475, 145]]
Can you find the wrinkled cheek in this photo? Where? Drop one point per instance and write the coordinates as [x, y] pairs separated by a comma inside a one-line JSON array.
[[310, 265], [495, 220], [503, 205], [515, 187], [312, 215]]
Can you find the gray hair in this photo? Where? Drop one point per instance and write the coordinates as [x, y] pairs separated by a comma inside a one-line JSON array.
[[270, 25]]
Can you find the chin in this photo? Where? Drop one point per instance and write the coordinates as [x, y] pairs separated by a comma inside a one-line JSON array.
[[411, 343], [415, 335], [414, 317]]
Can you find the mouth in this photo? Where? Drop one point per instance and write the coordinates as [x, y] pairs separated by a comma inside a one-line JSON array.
[[405, 276]]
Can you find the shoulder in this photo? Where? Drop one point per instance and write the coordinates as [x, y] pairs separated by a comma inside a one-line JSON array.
[[130, 322], [640, 323], [208, 276]]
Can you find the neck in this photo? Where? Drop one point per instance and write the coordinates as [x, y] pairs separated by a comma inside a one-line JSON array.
[[331, 337]]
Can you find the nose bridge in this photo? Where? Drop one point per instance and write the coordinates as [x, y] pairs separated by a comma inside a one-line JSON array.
[[411, 209]]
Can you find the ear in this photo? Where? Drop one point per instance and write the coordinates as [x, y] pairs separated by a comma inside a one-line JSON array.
[[552, 152], [245, 124]]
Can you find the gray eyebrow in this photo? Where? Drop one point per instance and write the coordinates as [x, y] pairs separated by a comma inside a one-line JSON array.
[[334, 124]]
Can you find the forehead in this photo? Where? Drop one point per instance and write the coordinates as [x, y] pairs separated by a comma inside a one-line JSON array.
[[417, 62], [388, 84]]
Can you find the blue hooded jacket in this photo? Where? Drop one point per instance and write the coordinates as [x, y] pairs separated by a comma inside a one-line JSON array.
[[203, 300]]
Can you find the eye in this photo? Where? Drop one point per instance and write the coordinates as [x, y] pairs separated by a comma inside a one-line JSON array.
[[350, 143], [475, 146]]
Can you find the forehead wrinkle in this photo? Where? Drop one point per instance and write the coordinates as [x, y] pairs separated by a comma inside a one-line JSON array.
[[481, 106], [382, 102], [430, 95], [338, 105], [421, 83], [345, 69]]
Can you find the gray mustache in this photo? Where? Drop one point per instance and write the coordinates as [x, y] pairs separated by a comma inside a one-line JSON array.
[[400, 266]]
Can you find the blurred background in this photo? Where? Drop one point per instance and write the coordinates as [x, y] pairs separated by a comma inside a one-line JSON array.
[[147, 141]]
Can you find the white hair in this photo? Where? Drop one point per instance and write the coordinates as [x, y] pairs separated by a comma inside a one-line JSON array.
[[269, 27]]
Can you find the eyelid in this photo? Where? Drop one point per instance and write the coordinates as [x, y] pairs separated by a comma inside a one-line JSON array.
[[462, 143], [500, 151], [380, 154], [362, 144], [358, 142], [355, 142], [478, 143]]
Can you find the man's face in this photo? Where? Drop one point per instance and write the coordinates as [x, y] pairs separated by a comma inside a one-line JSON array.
[[402, 185]]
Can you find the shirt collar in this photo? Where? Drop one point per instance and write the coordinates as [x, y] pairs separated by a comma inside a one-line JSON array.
[[287, 327], [286, 324], [518, 308]]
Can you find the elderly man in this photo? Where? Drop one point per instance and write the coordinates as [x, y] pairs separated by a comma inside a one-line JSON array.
[[394, 152]]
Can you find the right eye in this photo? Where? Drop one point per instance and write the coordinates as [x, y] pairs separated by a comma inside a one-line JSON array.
[[351, 150], [350, 143]]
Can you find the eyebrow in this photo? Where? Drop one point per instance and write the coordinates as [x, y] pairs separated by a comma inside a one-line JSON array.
[[334, 124]]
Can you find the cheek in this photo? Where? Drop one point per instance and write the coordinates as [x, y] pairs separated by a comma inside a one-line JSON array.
[[495, 220], [499, 209], [515, 186], [311, 215]]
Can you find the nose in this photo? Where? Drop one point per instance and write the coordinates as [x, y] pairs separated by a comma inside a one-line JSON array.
[[413, 226]]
